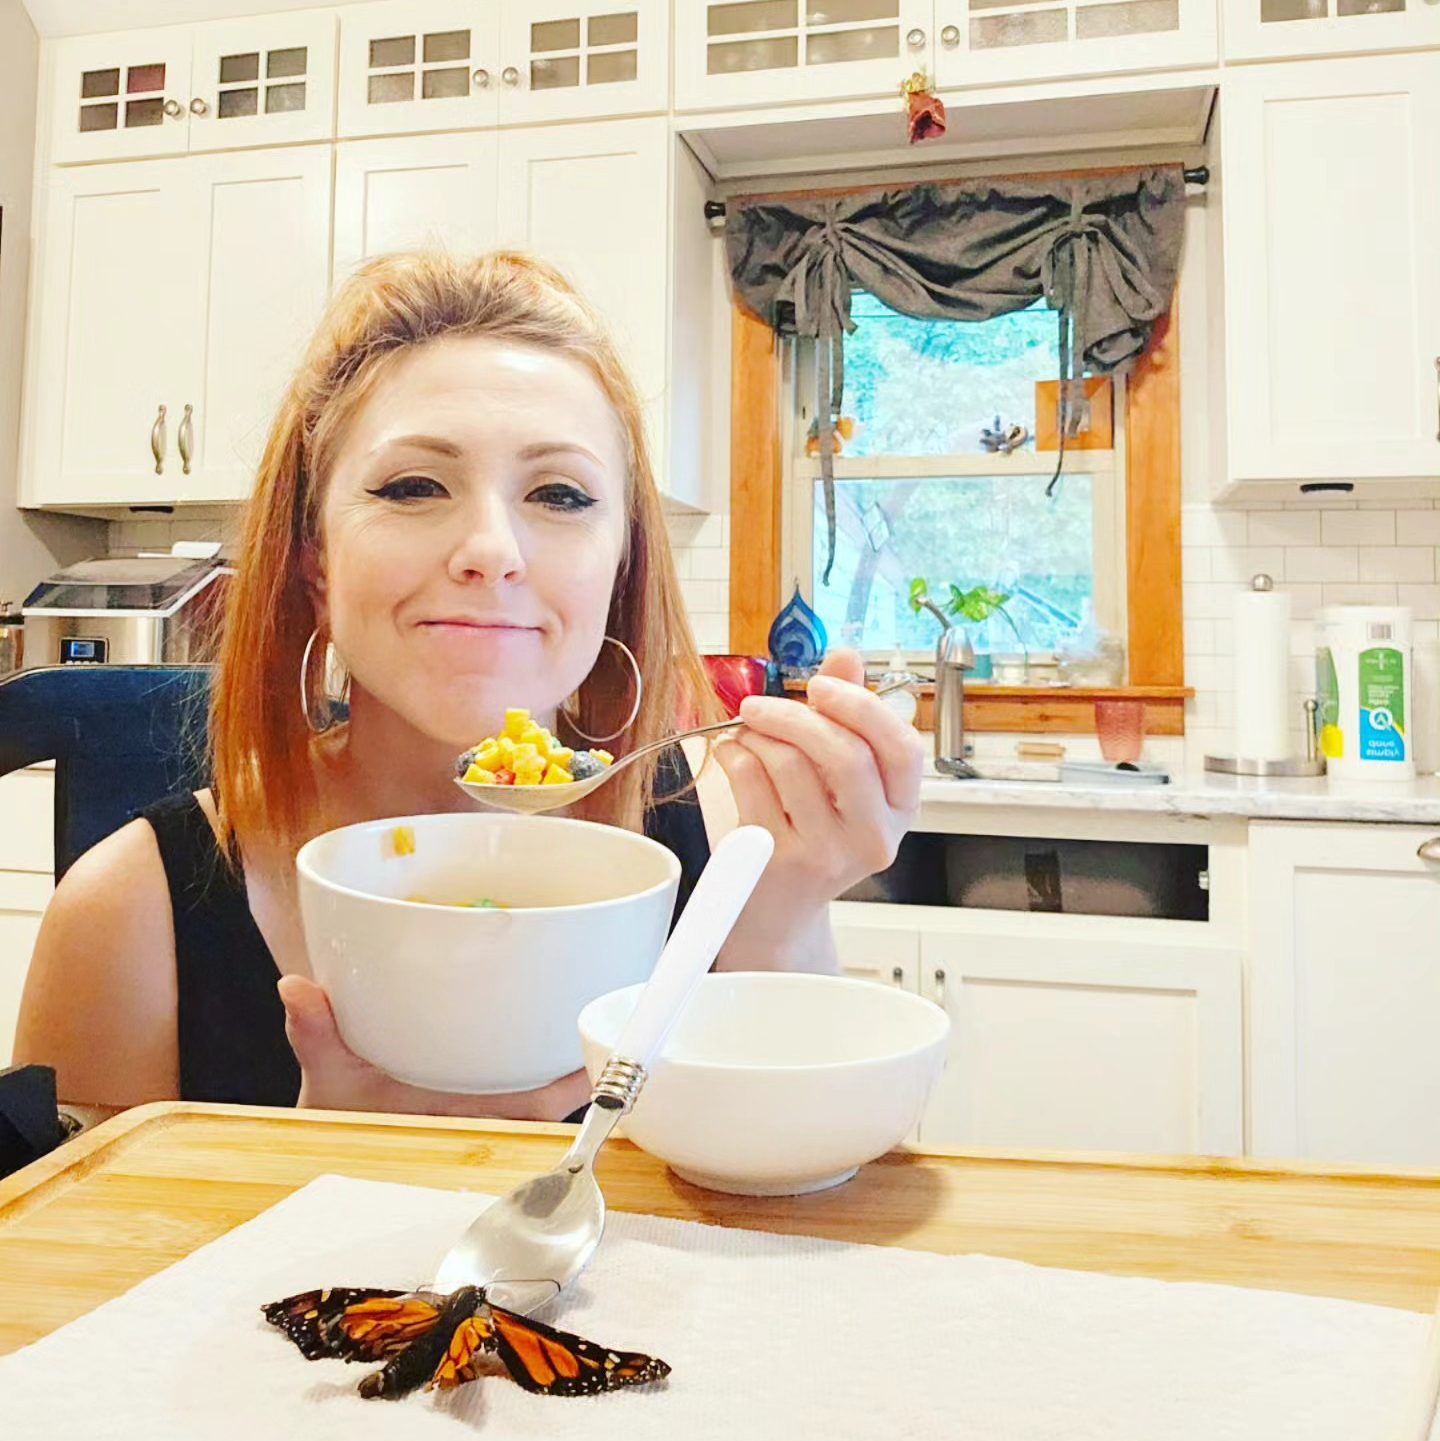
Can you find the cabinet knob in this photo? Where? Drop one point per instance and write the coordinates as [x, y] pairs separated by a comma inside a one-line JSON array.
[[481, 79], [157, 441], [939, 985], [185, 437], [199, 107], [510, 75], [897, 975], [915, 39], [172, 108], [950, 36], [1429, 850]]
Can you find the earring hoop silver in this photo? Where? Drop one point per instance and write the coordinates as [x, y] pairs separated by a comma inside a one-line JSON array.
[[318, 720], [634, 709]]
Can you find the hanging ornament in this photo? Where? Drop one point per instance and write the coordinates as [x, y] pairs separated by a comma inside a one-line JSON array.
[[797, 638], [926, 110], [844, 429]]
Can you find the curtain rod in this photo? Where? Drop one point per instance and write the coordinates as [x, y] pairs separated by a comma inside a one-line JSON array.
[[1198, 175]]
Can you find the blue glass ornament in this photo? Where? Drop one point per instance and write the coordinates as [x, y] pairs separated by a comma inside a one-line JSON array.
[[797, 638]]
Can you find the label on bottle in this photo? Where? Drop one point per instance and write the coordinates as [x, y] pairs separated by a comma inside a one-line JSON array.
[[1382, 704]]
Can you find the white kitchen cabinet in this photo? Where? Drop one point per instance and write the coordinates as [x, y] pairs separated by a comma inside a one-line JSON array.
[[979, 42], [1276, 29], [1332, 273], [405, 66], [747, 53], [888, 955], [162, 285], [1344, 994], [264, 80], [576, 59], [1083, 1037], [415, 192]]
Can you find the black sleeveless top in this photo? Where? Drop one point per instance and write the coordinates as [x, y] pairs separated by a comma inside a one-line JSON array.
[[230, 1020]]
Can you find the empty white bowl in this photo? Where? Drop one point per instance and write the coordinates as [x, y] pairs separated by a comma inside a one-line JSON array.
[[775, 1084], [480, 1001]]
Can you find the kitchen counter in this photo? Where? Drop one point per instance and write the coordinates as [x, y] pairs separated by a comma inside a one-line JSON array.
[[1397, 802]]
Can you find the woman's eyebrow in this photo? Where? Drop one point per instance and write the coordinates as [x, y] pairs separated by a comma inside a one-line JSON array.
[[541, 448], [422, 442]]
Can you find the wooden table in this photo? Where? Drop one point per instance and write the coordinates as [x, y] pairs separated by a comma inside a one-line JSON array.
[[151, 1185]]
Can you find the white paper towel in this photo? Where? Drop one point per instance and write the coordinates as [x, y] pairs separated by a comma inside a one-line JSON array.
[[1262, 675], [770, 1337]]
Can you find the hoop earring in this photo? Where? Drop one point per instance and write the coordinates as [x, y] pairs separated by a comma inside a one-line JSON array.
[[330, 709], [634, 709]]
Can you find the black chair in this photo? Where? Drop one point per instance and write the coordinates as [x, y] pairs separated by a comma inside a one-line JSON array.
[[121, 738]]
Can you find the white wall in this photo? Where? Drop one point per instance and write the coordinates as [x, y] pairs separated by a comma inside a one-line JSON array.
[[31, 544]]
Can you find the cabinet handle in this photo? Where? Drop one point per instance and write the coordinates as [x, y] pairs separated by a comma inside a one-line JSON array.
[[915, 39], [939, 986], [199, 107], [157, 441], [1429, 850], [898, 975], [481, 79], [187, 430], [950, 36], [510, 75], [172, 108]]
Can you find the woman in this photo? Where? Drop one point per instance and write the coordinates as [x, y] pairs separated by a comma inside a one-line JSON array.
[[455, 501]]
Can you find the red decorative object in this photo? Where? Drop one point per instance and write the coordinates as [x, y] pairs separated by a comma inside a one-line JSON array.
[[734, 677], [926, 110]]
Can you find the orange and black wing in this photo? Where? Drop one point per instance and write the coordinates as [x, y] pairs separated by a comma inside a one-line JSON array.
[[472, 1338], [558, 1363], [442, 1356], [318, 1321]]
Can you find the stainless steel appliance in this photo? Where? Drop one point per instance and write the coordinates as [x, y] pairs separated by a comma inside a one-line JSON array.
[[131, 610]]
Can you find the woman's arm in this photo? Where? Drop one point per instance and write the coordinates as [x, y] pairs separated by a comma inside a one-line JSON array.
[[100, 998]]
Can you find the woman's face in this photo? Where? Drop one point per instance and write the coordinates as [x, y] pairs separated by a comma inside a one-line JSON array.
[[472, 525]]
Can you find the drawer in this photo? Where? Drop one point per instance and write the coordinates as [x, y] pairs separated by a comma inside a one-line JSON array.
[[27, 821]]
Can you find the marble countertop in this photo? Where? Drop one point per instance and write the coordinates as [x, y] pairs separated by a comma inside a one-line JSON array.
[[1414, 802]]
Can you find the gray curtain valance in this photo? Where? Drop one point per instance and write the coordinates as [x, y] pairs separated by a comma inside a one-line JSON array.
[[1101, 250]]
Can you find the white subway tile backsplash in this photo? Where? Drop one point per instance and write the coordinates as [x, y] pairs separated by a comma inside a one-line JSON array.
[[1284, 527], [1203, 525], [706, 596], [1199, 637], [1358, 527], [1196, 562], [1207, 600], [1322, 562], [1238, 567], [1369, 593], [710, 563], [1423, 600], [1397, 562], [1305, 599], [1417, 527]]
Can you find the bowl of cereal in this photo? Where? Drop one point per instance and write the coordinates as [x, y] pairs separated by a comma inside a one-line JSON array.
[[459, 950]]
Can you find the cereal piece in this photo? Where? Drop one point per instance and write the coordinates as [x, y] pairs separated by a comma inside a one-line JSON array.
[[402, 840], [490, 756], [584, 765], [479, 776], [561, 756], [557, 776], [525, 755], [516, 723], [464, 762], [604, 757], [504, 777]]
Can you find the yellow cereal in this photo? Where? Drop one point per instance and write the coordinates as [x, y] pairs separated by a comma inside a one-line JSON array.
[[402, 840], [526, 757], [490, 756], [516, 723], [557, 776], [604, 757], [561, 756], [478, 775]]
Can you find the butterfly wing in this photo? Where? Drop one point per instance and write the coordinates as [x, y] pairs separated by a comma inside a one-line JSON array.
[[472, 1338], [559, 1363], [316, 1321]]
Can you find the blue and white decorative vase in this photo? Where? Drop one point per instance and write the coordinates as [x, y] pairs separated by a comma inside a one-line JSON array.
[[797, 639]]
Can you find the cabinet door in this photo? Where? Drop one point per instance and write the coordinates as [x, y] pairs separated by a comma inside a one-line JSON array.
[[112, 335], [1332, 268], [120, 96], [425, 190], [1085, 1041], [1344, 994], [886, 955], [981, 43], [1272, 29], [428, 66], [22, 902], [592, 199], [567, 59], [742, 53], [260, 243], [266, 80]]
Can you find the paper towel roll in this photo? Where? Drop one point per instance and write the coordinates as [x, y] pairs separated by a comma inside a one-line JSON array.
[[1262, 673]]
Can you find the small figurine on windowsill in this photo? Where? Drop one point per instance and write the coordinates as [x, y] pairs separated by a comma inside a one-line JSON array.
[[1002, 439], [844, 430]]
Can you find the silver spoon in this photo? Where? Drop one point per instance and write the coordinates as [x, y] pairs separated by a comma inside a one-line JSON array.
[[531, 800], [529, 1245]]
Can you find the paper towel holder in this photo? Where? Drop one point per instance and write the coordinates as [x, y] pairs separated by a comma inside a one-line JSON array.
[[1310, 764]]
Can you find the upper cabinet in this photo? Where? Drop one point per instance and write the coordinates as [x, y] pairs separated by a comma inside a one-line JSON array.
[[1332, 271], [470, 64], [1275, 29], [981, 42], [775, 52], [266, 80]]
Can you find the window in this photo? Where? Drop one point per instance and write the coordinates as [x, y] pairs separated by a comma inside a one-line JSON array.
[[918, 493]]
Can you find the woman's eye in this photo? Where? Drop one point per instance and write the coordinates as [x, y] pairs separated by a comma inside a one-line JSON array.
[[563, 497], [409, 487]]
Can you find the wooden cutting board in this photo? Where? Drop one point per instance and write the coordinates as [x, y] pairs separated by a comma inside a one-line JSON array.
[[153, 1184]]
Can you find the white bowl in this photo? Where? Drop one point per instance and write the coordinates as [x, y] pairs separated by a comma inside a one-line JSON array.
[[776, 1084], [481, 1001]]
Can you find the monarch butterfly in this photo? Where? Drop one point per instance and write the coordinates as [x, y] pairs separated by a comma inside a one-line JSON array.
[[428, 1339]]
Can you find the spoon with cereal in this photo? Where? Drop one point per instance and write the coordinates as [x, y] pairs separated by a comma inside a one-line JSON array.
[[527, 770]]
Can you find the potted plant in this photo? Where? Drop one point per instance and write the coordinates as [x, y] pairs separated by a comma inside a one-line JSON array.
[[977, 604]]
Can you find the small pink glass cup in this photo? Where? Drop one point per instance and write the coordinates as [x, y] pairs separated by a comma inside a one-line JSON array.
[[1120, 724]]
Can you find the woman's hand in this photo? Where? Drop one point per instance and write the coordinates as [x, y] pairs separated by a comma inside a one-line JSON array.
[[334, 1078], [837, 783]]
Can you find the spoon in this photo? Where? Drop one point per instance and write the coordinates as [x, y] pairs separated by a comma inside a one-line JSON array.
[[531, 800], [529, 1245]]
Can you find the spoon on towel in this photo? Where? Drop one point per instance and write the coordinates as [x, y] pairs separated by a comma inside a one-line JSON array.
[[529, 1245], [531, 800]]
